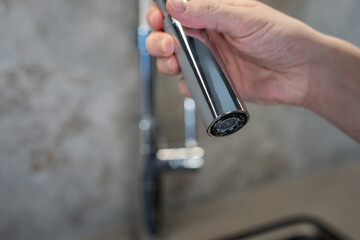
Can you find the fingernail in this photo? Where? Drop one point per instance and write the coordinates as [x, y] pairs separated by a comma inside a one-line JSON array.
[[163, 45], [178, 5], [170, 65], [151, 18]]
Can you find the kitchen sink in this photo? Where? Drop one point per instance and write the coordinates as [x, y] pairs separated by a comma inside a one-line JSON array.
[[295, 228]]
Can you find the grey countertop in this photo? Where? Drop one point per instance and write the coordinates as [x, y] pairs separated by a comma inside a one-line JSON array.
[[333, 197]]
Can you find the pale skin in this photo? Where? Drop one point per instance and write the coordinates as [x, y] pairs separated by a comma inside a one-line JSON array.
[[271, 57]]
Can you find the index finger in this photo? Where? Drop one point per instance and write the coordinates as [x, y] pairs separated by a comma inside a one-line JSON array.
[[155, 18]]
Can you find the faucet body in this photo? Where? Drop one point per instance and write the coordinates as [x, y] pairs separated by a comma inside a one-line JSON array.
[[156, 161], [210, 85]]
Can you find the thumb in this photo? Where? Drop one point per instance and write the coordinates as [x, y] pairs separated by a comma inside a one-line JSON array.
[[222, 16]]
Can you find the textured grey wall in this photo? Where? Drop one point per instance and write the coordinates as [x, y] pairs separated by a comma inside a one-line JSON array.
[[68, 103], [69, 109]]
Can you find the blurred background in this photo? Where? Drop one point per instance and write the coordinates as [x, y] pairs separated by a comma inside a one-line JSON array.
[[69, 110]]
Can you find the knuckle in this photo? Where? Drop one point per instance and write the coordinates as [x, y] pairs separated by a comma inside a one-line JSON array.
[[209, 6]]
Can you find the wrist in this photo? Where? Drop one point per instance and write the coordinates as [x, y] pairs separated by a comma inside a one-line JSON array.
[[335, 65], [334, 85]]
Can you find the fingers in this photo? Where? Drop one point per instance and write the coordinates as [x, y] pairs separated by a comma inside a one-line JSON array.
[[163, 46], [223, 16], [168, 65], [160, 44], [155, 18]]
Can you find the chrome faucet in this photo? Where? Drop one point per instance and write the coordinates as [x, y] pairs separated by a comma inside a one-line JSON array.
[[189, 157], [221, 108]]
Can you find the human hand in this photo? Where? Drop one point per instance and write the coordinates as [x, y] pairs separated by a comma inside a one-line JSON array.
[[268, 54]]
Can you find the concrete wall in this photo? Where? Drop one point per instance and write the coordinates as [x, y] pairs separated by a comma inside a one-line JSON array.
[[69, 111]]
